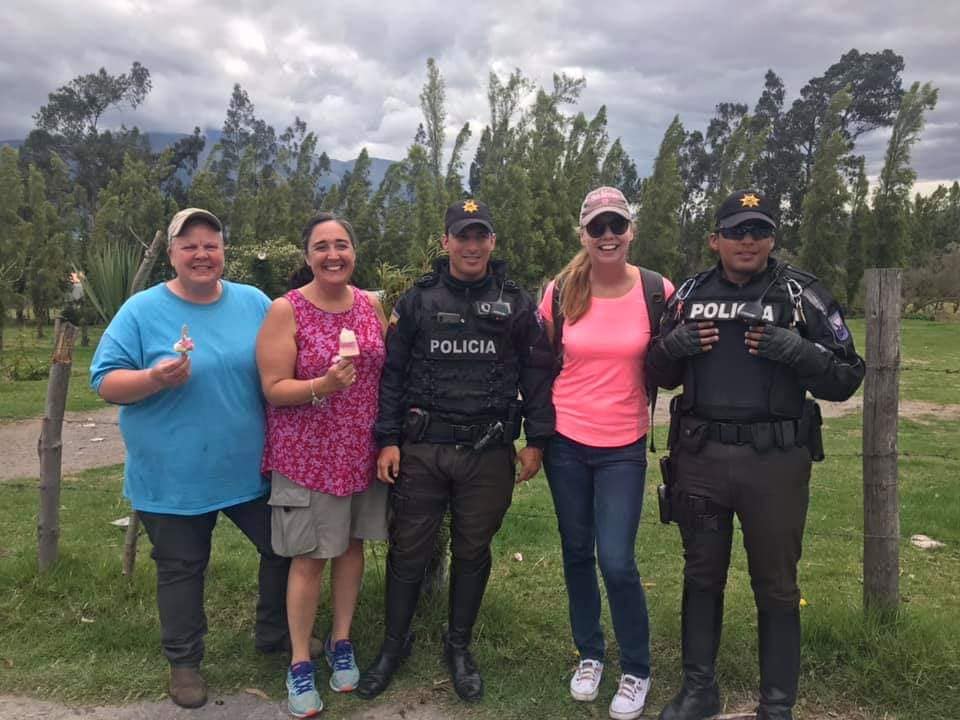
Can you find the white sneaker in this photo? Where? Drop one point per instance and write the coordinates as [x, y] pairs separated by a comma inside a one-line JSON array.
[[631, 696], [585, 683]]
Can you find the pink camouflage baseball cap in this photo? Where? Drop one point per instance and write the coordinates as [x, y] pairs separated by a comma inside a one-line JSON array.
[[601, 200]]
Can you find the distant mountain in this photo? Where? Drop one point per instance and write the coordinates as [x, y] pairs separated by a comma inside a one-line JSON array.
[[160, 140]]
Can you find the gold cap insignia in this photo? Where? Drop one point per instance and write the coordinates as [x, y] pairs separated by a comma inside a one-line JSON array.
[[749, 200], [470, 206]]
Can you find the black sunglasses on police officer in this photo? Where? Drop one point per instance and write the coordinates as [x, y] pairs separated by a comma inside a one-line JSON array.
[[759, 231], [598, 226]]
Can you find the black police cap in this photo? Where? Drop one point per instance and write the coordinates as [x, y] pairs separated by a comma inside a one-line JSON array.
[[744, 205], [465, 213]]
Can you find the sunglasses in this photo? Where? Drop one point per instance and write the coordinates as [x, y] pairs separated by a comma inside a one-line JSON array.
[[597, 227], [760, 231]]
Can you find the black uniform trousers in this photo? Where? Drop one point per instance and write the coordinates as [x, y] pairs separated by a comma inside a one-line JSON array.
[[768, 491], [476, 485], [181, 551]]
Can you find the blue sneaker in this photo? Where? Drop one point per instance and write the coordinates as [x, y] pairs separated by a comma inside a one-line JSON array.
[[303, 700], [340, 657]]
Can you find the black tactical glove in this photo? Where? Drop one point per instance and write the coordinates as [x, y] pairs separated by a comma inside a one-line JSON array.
[[683, 341], [785, 346]]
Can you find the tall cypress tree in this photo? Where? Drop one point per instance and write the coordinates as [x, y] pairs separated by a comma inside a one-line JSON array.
[[46, 275], [888, 248], [12, 231], [823, 229], [862, 230], [657, 237]]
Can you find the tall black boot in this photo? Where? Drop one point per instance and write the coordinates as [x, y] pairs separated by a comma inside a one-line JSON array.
[[702, 621], [401, 602], [467, 585], [779, 649]]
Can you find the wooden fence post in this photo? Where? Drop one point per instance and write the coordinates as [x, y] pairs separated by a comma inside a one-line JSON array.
[[881, 404], [139, 281], [50, 445]]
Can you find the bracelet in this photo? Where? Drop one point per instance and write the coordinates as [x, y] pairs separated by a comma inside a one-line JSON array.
[[316, 400]]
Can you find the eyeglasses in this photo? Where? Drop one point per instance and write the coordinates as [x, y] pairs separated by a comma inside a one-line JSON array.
[[760, 231], [597, 227]]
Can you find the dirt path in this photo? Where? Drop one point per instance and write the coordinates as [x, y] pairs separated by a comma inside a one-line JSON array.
[[418, 705], [225, 707], [90, 439]]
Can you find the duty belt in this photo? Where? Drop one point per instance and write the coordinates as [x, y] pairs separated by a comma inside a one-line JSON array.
[[441, 432], [776, 433]]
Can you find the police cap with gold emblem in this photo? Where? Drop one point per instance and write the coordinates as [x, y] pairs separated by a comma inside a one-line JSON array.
[[744, 205], [465, 213]]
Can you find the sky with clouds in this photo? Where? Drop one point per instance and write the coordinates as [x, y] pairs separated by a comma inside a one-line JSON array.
[[354, 70]]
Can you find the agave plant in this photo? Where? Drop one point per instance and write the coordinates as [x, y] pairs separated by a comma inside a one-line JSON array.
[[110, 269]]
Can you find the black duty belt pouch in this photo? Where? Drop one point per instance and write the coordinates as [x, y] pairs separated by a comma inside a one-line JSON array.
[[663, 490]]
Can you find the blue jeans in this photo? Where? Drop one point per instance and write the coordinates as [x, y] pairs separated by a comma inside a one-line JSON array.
[[598, 497]]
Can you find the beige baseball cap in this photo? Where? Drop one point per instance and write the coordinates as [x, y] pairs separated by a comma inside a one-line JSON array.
[[601, 200], [181, 218]]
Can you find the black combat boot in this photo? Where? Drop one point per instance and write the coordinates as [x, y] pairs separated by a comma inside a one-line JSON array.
[[779, 648], [401, 603], [467, 584], [701, 622]]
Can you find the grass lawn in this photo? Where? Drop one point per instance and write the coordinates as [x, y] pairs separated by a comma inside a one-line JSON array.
[[84, 633], [20, 399]]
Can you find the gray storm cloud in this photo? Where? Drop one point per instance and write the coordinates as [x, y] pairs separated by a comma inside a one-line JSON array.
[[354, 73]]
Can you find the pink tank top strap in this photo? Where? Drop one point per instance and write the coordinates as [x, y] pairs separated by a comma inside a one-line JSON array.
[[299, 304]]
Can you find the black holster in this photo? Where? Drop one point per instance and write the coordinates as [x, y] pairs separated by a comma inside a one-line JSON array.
[[664, 490], [810, 431], [415, 424]]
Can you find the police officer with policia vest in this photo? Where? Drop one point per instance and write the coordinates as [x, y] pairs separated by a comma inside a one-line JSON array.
[[461, 344], [747, 339]]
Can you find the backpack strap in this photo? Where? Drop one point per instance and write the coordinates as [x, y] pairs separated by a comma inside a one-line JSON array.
[[655, 295]]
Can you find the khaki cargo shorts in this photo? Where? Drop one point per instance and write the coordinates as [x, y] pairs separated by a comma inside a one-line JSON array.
[[314, 524]]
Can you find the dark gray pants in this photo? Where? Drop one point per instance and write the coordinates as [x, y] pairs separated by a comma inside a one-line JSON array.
[[181, 551], [769, 492], [476, 486]]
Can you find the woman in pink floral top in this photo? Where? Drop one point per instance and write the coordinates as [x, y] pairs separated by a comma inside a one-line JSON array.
[[320, 448]]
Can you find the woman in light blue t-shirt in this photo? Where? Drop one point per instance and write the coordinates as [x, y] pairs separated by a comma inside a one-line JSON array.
[[193, 426]]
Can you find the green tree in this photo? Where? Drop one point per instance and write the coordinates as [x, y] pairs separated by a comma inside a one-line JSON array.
[[862, 230], [657, 236], [432, 103], [897, 177], [12, 232], [131, 208], [823, 230], [68, 125], [46, 271], [298, 162]]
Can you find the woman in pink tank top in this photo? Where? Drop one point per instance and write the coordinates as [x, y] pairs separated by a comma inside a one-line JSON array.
[[320, 352], [596, 461]]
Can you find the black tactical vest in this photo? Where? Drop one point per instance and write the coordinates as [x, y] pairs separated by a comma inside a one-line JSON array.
[[728, 383], [464, 366]]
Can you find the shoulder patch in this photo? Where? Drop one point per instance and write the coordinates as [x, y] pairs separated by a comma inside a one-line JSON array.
[[838, 327], [510, 285]]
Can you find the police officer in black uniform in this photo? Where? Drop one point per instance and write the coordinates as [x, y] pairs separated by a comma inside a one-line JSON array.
[[461, 344], [747, 339]]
